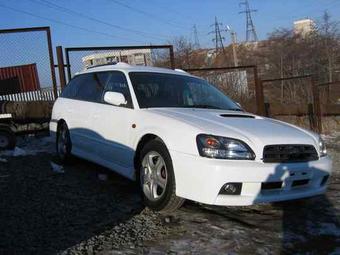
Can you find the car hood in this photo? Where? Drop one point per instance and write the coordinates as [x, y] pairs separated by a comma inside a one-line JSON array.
[[250, 128]]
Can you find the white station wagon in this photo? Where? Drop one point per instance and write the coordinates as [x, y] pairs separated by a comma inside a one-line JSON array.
[[181, 138]]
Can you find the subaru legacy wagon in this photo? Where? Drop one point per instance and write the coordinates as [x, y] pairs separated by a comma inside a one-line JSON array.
[[181, 138]]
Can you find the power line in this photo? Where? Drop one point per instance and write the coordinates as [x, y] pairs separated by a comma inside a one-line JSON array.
[[147, 14], [169, 9], [218, 38], [251, 35], [79, 14], [65, 24]]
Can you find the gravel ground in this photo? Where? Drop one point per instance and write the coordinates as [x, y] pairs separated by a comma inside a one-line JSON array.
[[85, 209]]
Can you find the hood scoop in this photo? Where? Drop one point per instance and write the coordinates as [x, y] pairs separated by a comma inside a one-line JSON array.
[[237, 116]]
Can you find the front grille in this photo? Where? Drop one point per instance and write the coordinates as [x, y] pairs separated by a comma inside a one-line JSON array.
[[284, 153]]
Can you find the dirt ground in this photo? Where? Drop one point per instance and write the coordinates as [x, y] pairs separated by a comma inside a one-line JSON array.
[[85, 209]]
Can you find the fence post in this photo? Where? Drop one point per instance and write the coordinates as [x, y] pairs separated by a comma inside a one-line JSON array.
[[316, 104], [172, 57], [61, 69], [267, 109], [259, 93], [50, 51], [311, 117], [68, 66]]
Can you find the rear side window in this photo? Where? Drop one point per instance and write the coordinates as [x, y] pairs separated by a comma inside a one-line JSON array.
[[92, 86], [71, 90]]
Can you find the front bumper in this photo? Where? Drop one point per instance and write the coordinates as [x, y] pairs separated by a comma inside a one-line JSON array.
[[201, 179]]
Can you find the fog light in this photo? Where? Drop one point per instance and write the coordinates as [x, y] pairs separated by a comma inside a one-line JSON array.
[[231, 188]]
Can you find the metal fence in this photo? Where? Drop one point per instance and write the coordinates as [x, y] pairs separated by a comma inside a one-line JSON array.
[[28, 46], [330, 98], [240, 83], [295, 96], [37, 95], [81, 58]]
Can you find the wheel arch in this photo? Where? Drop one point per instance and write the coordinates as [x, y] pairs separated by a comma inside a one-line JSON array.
[[59, 122], [141, 143]]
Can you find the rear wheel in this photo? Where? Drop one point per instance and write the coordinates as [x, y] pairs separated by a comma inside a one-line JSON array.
[[63, 143], [157, 178], [7, 139]]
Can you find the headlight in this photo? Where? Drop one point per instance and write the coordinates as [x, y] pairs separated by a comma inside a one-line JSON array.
[[223, 148], [322, 148]]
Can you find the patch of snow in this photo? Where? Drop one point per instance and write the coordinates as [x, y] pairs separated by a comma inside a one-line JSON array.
[[13, 153], [102, 177], [330, 136], [18, 152], [3, 160], [336, 252], [30, 146], [57, 168], [325, 228], [329, 229]]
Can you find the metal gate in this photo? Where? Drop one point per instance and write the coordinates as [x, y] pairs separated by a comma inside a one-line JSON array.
[[240, 83], [26, 55], [80, 58]]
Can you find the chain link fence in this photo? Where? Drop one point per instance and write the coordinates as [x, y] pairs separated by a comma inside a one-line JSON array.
[[26, 61]]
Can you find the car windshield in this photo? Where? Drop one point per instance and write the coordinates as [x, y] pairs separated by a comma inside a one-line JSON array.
[[170, 90]]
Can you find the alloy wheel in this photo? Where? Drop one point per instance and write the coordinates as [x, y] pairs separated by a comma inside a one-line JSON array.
[[154, 176]]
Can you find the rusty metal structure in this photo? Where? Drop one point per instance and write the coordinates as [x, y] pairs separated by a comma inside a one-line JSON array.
[[24, 78]]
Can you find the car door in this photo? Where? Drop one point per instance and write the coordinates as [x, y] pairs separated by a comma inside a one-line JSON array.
[[83, 136], [73, 112], [113, 123]]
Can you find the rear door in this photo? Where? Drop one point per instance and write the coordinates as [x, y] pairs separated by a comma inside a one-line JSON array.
[[75, 112], [88, 98]]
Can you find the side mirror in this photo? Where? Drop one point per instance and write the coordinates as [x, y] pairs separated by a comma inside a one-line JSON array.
[[114, 98]]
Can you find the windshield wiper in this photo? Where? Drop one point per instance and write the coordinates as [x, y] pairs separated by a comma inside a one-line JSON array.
[[235, 109], [204, 106]]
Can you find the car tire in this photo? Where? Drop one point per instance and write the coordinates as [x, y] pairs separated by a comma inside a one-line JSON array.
[[7, 139], [157, 179], [63, 143]]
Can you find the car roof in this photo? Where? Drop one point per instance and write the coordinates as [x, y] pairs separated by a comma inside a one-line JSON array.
[[131, 68]]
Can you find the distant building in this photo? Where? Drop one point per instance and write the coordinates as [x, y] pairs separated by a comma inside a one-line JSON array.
[[139, 57], [304, 27]]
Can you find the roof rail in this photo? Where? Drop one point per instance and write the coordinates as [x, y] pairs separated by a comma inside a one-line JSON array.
[[180, 70], [108, 64]]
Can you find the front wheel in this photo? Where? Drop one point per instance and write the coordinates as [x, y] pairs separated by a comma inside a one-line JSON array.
[[157, 178]]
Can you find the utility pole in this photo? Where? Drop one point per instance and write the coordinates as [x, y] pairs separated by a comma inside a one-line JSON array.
[[218, 37], [234, 44], [196, 40], [251, 35]]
